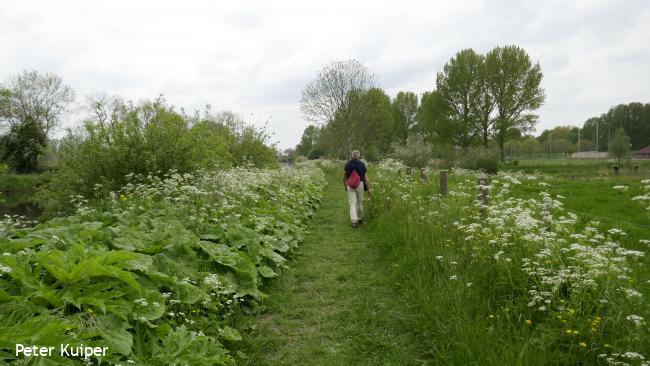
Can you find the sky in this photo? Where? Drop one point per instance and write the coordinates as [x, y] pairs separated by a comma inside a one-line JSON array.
[[254, 57]]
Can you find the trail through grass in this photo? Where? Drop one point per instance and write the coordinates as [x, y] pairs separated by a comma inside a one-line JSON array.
[[335, 305]]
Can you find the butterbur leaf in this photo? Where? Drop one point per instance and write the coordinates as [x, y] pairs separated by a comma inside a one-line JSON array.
[[186, 292], [266, 271], [220, 253], [113, 331], [183, 347], [230, 334], [77, 265], [149, 307]]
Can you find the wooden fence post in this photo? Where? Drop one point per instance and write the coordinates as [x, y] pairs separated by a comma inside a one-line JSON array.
[[443, 182], [482, 197]]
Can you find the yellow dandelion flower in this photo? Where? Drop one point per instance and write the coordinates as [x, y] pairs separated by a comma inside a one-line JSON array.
[[68, 327], [529, 322], [583, 344], [606, 345], [576, 332]]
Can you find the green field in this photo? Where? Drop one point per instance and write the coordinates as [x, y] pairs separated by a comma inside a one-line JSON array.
[[579, 168]]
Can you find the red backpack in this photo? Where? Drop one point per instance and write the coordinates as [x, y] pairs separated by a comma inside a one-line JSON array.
[[354, 180]]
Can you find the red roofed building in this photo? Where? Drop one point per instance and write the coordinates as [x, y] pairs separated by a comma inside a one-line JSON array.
[[643, 153]]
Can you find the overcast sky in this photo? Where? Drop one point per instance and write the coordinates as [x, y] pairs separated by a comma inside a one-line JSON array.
[[254, 57]]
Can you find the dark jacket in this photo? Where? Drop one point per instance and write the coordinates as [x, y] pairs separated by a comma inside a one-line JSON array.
[[360, 167]]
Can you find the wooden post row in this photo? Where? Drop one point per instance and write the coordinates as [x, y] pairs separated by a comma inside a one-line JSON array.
[[443, 182]]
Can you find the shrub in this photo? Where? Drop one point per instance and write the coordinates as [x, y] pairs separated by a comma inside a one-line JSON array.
[[415, 153], [315, 153], [487, 164], [480, 159], [149, 139]]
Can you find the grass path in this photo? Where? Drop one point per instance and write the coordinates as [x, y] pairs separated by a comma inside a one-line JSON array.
[[335, 305]]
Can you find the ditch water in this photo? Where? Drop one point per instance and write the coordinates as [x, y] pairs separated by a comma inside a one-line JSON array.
[[20, 203]]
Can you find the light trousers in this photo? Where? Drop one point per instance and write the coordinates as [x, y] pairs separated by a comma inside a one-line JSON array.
[[355, 200]]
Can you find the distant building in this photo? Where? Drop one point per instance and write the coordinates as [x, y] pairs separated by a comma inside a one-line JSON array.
[[643, 153], [590, 155]]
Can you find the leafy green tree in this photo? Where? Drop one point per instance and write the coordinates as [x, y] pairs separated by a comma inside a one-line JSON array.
[[620, 144], [433, 118], [308, 140], [558, 146], [459, 85], [485, 104], [405, 110], [22, 146], [515, 83], [5, 104], [634, 118], [365, 124], [530, 146], [376, 121]]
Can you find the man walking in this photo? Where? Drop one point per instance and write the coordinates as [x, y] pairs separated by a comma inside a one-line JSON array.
[[355, 182]]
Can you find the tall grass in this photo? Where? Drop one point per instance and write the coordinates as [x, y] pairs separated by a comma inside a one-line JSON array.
[[530, 284]]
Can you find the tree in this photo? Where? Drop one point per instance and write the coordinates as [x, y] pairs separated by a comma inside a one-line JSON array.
[[329, 100], [375, 122], [366, 123], [433, 117], [530, 146], [515, 83], [634, 118], [308, 141], [327, 95], [42, 98], [485, 104], [459, 85], [22, 146], [558, 145], [405, 109], [620, 144], [5, 104]]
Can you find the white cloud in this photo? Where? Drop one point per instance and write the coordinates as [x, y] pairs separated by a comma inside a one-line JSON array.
[[255, 56]]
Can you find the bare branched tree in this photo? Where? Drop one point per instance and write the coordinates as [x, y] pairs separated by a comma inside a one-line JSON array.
[[105, 109], [41, 97], [328, 93]]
